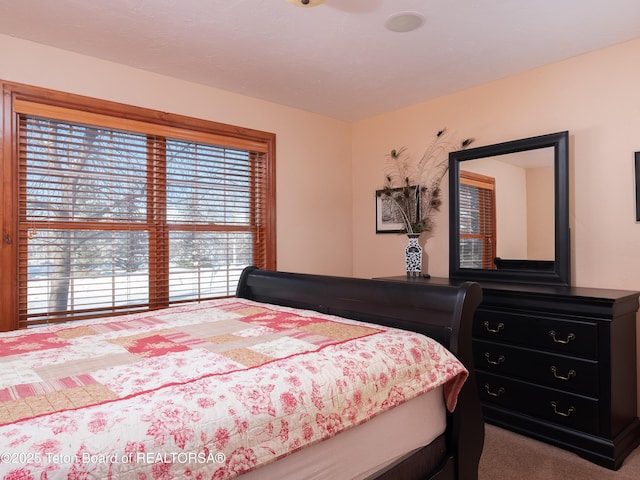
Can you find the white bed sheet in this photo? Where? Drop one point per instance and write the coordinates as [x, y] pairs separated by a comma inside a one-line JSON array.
[[357, 453]]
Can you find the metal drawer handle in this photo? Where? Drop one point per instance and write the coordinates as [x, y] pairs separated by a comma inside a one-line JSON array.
[[570, 374], [570, 337], [493, 394], [571, 410], [500, 359], [493, 330]]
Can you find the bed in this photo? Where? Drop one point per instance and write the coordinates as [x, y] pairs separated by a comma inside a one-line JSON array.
[[298, 376]]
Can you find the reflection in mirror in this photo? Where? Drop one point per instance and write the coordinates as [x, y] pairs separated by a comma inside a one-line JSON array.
[[508, 208], [477, 220], [516, 215]]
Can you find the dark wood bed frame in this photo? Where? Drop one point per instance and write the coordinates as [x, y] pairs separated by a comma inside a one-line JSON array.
[[442, 312]]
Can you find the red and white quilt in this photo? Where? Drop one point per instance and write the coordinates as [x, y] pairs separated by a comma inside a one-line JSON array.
[[204, 391]]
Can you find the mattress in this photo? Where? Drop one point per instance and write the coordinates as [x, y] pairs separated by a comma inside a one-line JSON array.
[[211, 390], [359, 452]]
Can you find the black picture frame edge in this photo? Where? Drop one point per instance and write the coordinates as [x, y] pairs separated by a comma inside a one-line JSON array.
[[377, 199], [637, 176]]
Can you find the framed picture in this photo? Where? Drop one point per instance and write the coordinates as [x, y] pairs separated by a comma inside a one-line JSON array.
[[388, 216], [637, 186]]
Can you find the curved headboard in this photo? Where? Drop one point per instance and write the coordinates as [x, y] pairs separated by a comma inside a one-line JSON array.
[[443, 312]]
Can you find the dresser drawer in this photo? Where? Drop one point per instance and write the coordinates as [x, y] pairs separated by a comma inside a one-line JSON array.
[[568, 410], [571, 374], [569, 337]]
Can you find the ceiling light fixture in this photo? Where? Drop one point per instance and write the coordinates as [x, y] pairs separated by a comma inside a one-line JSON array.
[[305, 3], [404, 22]]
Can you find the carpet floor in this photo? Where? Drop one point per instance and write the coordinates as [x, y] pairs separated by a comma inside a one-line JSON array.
[[509, 456]]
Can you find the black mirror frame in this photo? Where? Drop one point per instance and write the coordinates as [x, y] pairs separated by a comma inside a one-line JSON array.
[[561, 273]]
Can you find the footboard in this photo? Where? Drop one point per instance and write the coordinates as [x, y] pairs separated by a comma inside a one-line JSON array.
[[442, 312]]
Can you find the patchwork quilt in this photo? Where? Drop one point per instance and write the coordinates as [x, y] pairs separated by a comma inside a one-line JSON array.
[[209, 390]]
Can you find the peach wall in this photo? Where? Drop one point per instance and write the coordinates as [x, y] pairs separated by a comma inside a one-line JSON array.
[[313, 152], [540, 218], [596, 97]]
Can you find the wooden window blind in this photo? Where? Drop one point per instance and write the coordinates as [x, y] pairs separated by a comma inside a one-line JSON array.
[[477, 221], [115, 217]]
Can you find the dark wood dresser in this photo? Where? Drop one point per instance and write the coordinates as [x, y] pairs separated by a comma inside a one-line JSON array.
[[558, 364]]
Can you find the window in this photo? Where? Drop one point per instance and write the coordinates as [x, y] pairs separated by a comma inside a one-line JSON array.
[[477, 221], [118, 211]]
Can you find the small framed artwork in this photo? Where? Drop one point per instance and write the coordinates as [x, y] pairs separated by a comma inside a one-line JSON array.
[[388, 214], [637, 186]]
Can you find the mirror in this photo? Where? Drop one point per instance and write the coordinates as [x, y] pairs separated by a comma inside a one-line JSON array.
[[509, 211]]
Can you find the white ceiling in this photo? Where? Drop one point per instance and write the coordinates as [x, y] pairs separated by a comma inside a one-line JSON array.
[[336, 59]]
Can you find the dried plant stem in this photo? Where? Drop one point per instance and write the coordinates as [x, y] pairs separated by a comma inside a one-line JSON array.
[[425, 176]]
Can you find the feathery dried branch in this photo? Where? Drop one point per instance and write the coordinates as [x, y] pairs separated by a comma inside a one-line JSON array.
[[414, 190]]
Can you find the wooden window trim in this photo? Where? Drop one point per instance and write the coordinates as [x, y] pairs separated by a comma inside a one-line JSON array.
[[19, 98], [483, 182]]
